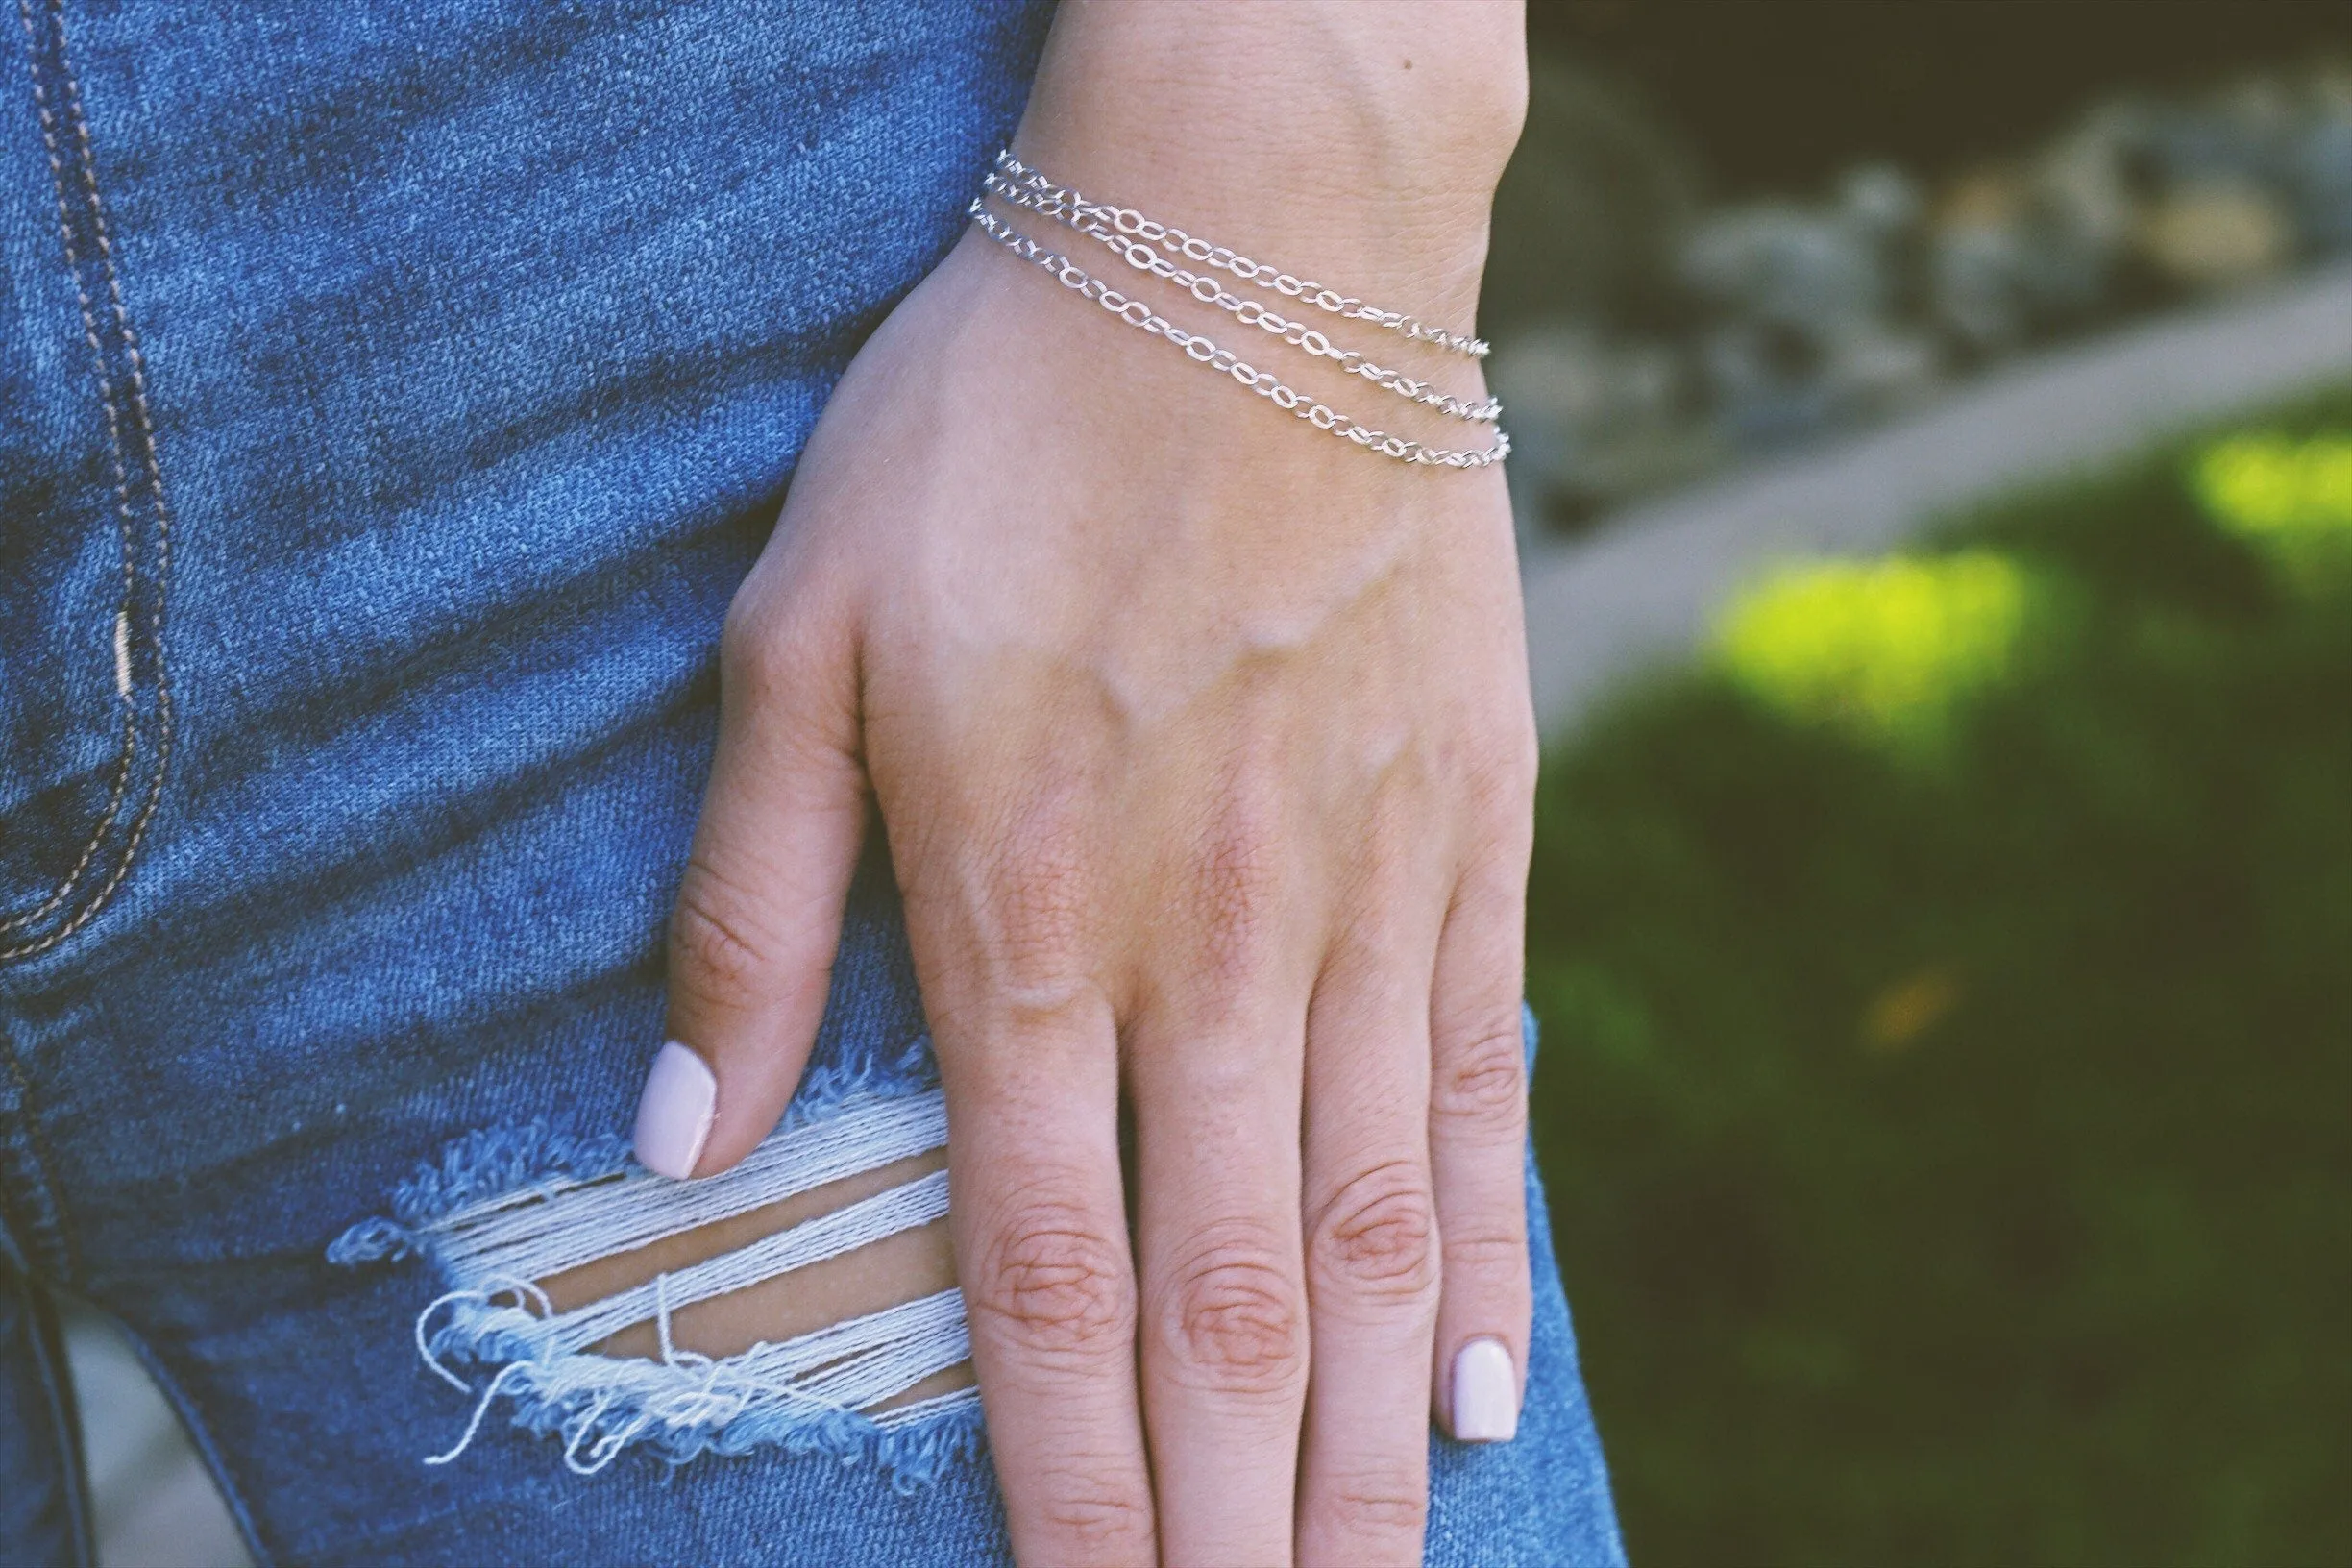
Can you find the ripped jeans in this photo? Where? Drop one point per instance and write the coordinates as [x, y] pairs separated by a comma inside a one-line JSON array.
[[391, 398]]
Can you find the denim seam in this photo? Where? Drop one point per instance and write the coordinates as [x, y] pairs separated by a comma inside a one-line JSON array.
[[141, 417], [57, 1384], [53, 1239], [122, 479], [200, 1437]]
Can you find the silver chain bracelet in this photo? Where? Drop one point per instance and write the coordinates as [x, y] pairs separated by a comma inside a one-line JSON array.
[[1129, 222], [1139, 255], [1136, 312]]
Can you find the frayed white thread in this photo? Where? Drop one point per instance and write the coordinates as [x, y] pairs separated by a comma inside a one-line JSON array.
[[482, 1407], [834, 1369], [926, 1409], [866, 1360], [601, 1405], [606, 1448], [526, 1232], [424, 1347], [661, 1319], [846, 1229], [524, 1292]]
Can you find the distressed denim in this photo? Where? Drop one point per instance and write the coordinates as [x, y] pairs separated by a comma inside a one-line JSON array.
[[391, 398]]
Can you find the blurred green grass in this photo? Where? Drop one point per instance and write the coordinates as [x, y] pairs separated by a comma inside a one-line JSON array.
[[1947, 1044]]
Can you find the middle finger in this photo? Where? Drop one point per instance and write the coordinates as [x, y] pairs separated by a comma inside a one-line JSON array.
[[1223, 1315]]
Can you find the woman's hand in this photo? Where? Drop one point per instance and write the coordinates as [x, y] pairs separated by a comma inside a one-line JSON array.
[[1203, 745]]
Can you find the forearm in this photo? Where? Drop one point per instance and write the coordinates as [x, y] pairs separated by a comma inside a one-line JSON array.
[[1363, 137]]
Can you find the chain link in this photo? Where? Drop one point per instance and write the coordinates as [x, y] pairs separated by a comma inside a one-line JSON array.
[[1139, 255], [1129, 222], [1139, 313]]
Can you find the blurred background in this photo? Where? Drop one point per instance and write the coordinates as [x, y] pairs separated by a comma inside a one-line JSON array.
[[1934, 475], [1734, 228], [1935, 484]]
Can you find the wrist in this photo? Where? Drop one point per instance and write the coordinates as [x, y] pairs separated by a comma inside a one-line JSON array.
[[1360, 143]]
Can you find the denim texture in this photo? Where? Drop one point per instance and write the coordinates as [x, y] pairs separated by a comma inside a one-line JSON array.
[[391, 398]]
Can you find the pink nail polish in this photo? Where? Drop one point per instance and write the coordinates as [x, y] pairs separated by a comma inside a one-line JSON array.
[[674, 1114], [1486, 1393]]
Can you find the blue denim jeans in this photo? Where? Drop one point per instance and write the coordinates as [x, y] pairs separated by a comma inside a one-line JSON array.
[[391, 398]]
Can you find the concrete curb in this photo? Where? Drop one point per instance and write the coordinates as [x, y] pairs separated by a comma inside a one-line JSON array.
[[1646, 586]]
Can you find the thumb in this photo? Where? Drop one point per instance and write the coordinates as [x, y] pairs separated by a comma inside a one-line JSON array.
[[758, 916]]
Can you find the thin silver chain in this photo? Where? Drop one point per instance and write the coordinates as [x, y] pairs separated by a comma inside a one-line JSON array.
[[1129, 222], [1139, 255], [1139, 313]]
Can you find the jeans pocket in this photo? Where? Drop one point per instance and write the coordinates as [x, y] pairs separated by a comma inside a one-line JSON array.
[[86, 712]]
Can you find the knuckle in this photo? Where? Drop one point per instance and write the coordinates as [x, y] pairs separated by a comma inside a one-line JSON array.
[[1379, 1506], [718, 950], [1039, 918], [1519, 761], [1509, 752], [1235, 883], [755, 654], [1234, 1319], [1052, 1280], [1039, 892], [1482, 1078], [1496, 1247], [1501, 788], [1081, 1515], [1377, 1237]]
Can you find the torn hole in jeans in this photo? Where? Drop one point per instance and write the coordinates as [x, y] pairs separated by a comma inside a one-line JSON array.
[[801, 1301]]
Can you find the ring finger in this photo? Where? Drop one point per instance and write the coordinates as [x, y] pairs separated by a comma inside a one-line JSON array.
[[1372, 1271]]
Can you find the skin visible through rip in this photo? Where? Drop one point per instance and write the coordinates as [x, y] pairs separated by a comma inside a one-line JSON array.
[[897, 1268]]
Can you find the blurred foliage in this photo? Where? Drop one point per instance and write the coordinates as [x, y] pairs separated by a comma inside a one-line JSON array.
[[1890, 648], [2292, 499], [1948, 1163]]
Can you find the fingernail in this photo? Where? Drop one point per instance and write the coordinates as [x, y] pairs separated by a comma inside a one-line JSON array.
[[1486, 1393], [674, 1114]]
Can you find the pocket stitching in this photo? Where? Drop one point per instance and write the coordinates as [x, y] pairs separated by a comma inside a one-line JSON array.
[[112, 402]]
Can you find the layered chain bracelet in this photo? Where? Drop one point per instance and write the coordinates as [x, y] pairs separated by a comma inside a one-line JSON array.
[[1137, 240]]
